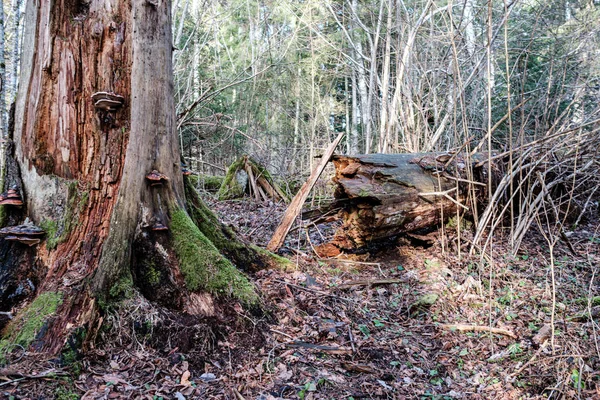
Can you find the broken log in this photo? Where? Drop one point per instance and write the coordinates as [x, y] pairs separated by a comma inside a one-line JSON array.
[[383, 195]]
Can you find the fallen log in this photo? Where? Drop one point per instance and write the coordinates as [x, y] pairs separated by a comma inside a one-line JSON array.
[[383, 195]]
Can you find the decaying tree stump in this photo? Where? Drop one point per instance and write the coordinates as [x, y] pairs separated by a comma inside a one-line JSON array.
[[96, 205], [383, 195], [247, 176]]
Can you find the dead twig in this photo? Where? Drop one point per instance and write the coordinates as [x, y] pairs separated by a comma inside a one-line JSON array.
[[238, 395], [369, 282], [325, 349], [281, 333], [49, 374], [478, 328]]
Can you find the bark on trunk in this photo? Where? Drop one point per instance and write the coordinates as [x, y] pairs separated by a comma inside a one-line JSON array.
[[384, 195], [83, 160]]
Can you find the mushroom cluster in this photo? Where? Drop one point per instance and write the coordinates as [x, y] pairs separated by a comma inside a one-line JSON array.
[[11, 198], [27, 233], [107, 101], [155, 178]]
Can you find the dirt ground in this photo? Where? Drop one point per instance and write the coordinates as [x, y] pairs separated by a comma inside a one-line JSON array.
[[409, 321]]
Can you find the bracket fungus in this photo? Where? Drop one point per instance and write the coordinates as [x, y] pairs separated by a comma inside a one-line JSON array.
[[11, 198], [27, 233], [154, 225], [155, 178], [159, 227], [107, 101], [186, 172]]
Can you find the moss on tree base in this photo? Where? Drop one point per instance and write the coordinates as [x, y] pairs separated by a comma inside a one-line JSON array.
[[245, 256], [203, 266], [24, 329]]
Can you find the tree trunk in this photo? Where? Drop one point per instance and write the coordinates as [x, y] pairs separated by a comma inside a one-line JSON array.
[[3, 84], [384, 195], [12, 81], [100, 173], [384, 133]]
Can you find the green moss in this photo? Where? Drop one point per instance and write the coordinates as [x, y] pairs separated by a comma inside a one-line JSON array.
[[207, 182], [63, 393], [71, 352], [230, 188], [152, 275], [24, 329], [245, 256], [203, 267], [465, 224], [52, 236], [123, 288], [58, 231], [3, 216], [278, 262]]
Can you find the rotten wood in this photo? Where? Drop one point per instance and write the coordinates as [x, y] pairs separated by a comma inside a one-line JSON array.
[[296, 205], [259, 183], [383, 195]]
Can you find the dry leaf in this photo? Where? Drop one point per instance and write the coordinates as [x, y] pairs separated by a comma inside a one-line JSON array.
[[185, 378]]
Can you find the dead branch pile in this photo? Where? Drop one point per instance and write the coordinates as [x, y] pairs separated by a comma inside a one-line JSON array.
[[555, 179]]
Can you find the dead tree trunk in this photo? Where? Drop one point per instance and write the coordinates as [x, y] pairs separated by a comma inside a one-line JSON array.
[[383, 195], [99, 172]]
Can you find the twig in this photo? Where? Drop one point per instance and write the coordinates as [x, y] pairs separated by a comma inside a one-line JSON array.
[[351, 337], [326, 349], [531, 360], [445, 195], [478, 328], [51, 373], [369, 282], [8, 314], [281, 333]]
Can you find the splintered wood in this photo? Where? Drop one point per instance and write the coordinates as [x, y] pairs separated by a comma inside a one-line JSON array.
[[298, 200], [383, 195]]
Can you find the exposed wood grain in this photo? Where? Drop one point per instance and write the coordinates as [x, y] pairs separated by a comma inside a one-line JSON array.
[[383, 195]]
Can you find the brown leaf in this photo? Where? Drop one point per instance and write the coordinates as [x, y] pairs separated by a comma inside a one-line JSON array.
[[185, 378]]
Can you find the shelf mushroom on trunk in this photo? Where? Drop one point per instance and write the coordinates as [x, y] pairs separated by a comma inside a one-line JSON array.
[[27, 233], [11, 198], [107, 101], [155, 178]]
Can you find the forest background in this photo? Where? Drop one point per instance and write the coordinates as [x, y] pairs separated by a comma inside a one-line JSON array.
[[279, 79]]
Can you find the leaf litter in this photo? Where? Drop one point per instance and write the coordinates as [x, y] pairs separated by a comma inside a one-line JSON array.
[[384, 325]]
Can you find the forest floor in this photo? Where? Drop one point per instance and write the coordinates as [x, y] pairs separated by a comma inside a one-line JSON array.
[[384, 325]]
